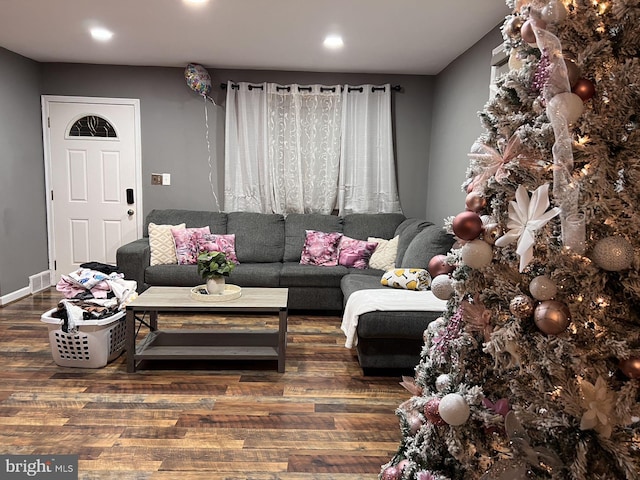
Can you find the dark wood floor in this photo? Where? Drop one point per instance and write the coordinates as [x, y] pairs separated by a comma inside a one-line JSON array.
[[322, 419]]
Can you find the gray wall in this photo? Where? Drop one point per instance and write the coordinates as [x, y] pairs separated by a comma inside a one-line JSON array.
[[461, 91], [23, 228], [174, 133]]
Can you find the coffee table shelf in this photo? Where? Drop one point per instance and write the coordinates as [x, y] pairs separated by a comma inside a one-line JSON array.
[[206, 343]]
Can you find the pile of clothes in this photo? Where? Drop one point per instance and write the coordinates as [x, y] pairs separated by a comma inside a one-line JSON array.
[[93, 292]]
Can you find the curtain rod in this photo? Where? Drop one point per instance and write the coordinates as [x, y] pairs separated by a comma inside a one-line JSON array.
[[395, 88]]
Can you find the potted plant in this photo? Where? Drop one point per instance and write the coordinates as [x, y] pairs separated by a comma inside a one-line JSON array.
[[213, 267]]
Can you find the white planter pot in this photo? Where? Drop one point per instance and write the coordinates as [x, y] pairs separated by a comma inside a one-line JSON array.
[[215, 285]]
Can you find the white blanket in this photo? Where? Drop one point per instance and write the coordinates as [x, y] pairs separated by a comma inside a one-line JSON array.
[[377, 299]]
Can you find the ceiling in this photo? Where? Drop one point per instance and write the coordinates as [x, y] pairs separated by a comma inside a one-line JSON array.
[[380, 36]]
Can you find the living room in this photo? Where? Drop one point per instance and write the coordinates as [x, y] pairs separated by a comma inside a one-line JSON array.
[[434, 116]]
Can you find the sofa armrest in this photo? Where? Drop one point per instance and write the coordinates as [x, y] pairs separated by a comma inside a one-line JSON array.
[[132, 259]]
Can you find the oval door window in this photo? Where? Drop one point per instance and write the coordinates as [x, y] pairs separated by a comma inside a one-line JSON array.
[[92, 126]]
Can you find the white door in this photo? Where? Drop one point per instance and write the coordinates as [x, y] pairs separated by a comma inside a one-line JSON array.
[[93, 179]]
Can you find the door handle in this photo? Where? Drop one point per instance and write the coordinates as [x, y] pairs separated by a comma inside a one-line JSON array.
[[130, 212]]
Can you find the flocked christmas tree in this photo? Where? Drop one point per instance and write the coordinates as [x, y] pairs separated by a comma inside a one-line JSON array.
[[534, 369]]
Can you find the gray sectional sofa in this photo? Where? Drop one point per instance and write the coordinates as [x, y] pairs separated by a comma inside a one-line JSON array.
[[269, 247]]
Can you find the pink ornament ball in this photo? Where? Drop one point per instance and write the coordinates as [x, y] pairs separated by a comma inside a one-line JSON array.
[[467, 226], [475, 202], [527, 33], [431, 412], [438, 266], [391, 473]]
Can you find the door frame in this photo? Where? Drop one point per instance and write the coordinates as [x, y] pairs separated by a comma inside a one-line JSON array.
[[46, 100]]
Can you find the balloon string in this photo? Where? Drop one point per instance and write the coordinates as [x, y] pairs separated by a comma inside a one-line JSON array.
[[206, 123]]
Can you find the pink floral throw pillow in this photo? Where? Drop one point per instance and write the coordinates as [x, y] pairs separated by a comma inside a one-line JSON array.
[[355, 253], [187, 244], [320, 248], [213, 242]]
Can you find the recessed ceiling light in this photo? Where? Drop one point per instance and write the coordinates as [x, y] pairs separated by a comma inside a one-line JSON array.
[[333, 41], [195, 2], [101, 34]]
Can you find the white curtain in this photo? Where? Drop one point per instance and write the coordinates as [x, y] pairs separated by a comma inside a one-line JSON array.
[[308, 149], [247, 173], [304, 147], [367, 166]]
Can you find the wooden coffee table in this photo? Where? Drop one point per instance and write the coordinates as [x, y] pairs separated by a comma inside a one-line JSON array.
[[206, 343]]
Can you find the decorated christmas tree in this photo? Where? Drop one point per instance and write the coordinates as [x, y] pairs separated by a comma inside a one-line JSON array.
[[534, 369]]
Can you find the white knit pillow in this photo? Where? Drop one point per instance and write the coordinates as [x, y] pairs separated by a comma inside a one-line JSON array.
[[163, 247], [384, 256]]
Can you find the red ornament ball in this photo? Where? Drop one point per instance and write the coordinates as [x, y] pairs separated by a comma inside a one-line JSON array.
[[475, 202], [467, 225], [431, 412], [552, 317], [438, 266], [584, 88], [631, 367]]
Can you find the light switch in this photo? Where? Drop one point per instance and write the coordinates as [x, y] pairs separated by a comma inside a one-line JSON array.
[[166, 179]]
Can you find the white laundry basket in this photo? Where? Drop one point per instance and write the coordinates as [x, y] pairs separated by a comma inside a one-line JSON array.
[[94, 344]]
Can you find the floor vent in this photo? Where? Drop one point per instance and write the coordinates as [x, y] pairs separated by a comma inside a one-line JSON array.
[[40, 281]]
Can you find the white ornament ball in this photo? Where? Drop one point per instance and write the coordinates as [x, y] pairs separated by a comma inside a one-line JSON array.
[[477, 254], [454, 409], [613, 254], [554, 12], [443, 382], [543, 288], [442, 287], [566, 104]]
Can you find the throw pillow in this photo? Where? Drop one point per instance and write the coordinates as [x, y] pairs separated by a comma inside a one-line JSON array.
[[212, 242], [407, 278], [355, 253], [187, 244], [384, 256], [320, 248], [163, 247]]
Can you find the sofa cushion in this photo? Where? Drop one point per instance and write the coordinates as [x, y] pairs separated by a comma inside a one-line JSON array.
[[225, 243], [162, 244], [216, 221], [259, 236], [359, 281], [296, 225], [431, 241], [297, 275], [173, 276], [364, 225], [407, 278], [256, 275], [355, 253], [384, 256], [407, 231]]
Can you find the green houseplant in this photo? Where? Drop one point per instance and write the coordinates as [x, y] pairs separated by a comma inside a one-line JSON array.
[[213, 267]]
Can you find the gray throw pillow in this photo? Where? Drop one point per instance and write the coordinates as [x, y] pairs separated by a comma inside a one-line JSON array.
[[407, 231], [431, 241]]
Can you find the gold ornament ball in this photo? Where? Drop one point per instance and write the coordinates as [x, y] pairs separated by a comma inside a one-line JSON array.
[[543, 288], [551, 317], [475, 202], [491, 232], [631, 367], [521, 306], [513, 25], [613, 254]]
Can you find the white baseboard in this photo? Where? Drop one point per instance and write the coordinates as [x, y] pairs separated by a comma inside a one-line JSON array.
[[13, 296]]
